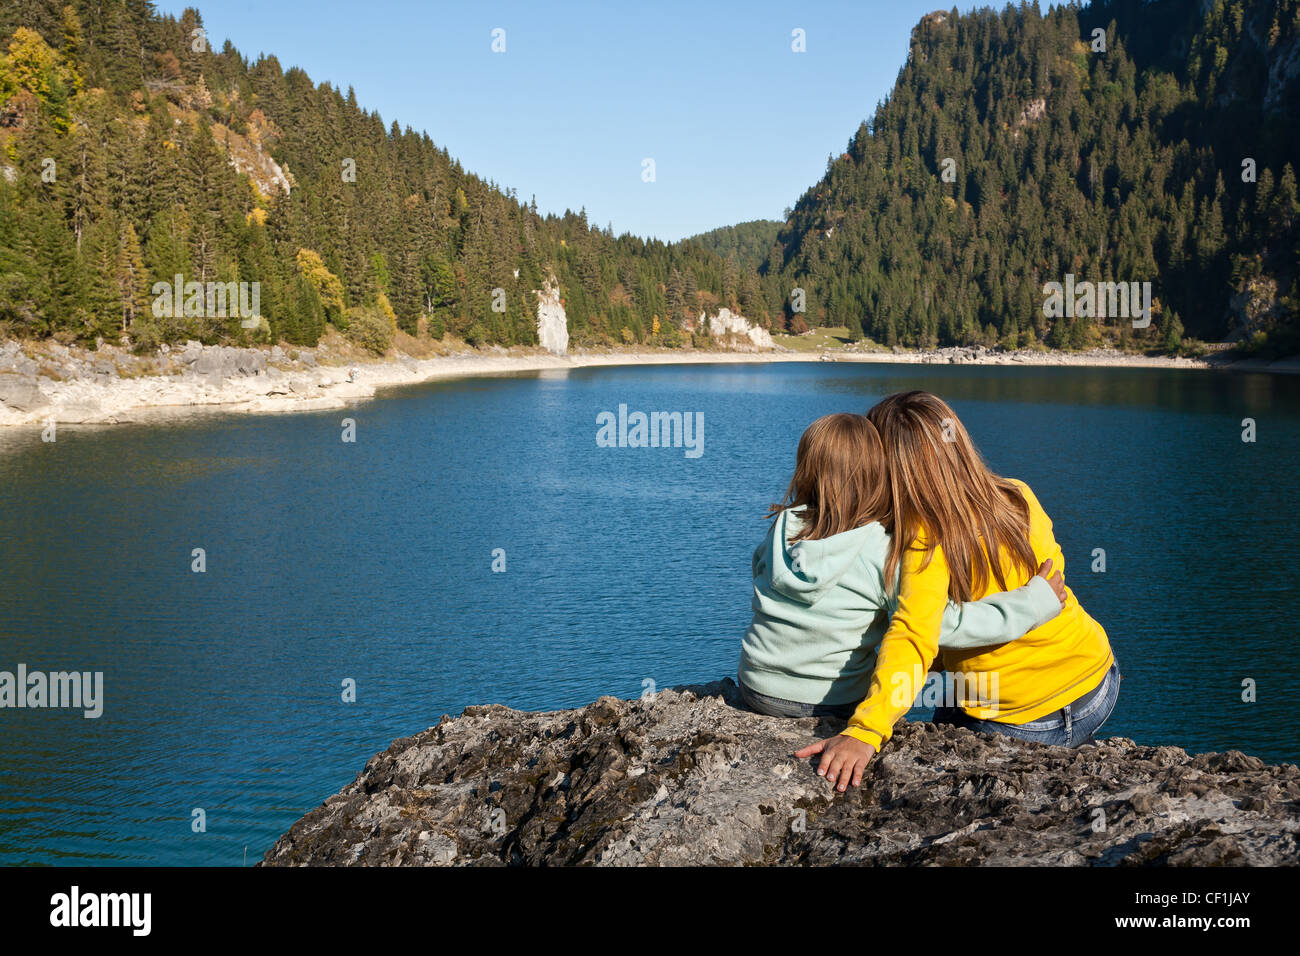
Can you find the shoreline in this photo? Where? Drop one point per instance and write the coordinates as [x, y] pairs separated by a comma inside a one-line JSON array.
[[49, 382]]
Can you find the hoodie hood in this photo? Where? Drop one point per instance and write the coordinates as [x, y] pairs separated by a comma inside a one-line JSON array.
[[805, 571]]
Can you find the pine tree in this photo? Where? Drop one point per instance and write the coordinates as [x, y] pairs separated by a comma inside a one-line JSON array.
[[130, 278]]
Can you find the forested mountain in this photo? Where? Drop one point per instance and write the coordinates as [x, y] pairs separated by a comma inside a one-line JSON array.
[[1124, 164], [1127, 140], [118, 128], [749, 243]]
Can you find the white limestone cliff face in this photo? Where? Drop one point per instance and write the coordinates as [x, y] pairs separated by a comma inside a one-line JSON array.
[[728, 324], [263, 170], [552, 323], [249, 156]]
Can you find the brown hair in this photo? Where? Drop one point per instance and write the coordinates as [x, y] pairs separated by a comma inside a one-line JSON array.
[[839, 479], [940, 485]]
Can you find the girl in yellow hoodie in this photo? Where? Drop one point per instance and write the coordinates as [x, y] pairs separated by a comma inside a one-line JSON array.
[[960, 532]]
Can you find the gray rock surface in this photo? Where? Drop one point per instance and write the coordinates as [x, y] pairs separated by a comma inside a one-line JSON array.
[[552, 321], [688, 777], [20, 392], [76, 413], [227, 362], [14, 361]]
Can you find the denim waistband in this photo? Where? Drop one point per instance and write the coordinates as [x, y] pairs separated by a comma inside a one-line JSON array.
[[1081, 701]]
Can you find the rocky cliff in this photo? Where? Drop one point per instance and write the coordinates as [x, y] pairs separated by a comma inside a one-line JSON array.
[[688, 777], [727, 325], [552, 322]]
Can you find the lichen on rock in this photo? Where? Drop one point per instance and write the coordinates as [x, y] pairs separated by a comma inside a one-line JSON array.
[[687, 776]]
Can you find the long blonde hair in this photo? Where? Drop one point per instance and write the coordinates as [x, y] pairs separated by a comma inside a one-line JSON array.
[[839, 478], [939, 485]]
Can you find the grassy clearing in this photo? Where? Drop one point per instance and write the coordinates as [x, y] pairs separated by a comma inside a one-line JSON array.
[[833, 338]]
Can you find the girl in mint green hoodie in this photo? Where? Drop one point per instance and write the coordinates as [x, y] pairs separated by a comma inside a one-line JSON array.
[[821, 601]]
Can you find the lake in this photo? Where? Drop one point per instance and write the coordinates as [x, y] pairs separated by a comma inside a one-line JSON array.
[[328, 562]]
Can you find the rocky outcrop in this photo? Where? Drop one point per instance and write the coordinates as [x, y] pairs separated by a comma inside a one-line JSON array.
[[982, 355], [21, 393], [687, 776], [552, 322], [50, 382], [218, 362], [728, 325], [1255, 308], [249, 156]]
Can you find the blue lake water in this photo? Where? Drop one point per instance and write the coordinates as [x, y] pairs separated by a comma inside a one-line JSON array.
[[372, 561]]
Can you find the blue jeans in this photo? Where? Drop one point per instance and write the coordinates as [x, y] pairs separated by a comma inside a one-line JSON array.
[[780, 707], [1071, 726]]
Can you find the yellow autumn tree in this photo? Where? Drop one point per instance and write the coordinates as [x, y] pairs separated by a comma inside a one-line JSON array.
[[386, 310], [30, 64], [327, 285]]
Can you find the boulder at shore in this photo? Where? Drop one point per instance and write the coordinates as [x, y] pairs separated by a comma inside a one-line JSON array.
[[689, 777]]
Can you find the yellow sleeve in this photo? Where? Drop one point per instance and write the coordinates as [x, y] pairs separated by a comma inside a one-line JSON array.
[[907, 648]]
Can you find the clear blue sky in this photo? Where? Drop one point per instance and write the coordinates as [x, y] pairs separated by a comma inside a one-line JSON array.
[[738, 125]]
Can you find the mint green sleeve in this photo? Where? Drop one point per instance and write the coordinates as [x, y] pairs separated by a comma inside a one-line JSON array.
[[999, 618]]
